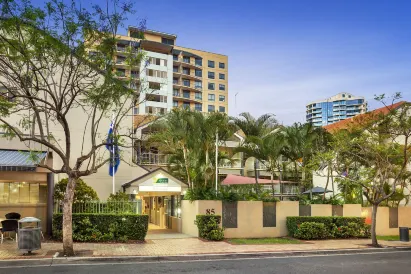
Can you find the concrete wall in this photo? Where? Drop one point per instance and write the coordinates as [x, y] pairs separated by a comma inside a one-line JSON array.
[[321, 210], [352, 210], [250, 217]]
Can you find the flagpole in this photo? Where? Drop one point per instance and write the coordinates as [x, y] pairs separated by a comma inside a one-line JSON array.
[[114, 175], [113, 153]]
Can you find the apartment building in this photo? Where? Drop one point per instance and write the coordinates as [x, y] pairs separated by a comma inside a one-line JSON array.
[[173, 76], [334, 109]]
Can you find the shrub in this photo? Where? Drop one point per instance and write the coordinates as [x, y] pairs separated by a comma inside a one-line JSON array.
[[209, 227], [82, 193], [312, 231], [88, 227], [336, 227]]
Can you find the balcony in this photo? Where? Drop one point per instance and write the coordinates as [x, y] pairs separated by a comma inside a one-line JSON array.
[[152, 159], [181, 84], [186, 63]]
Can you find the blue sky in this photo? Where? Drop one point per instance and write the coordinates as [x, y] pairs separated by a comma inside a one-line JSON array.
[[286, 53]]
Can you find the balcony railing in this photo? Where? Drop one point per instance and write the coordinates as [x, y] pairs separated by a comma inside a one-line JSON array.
[[152, 159], [187, 61]]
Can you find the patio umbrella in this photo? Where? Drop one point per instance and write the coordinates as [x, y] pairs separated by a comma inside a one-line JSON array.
[[316, 190]]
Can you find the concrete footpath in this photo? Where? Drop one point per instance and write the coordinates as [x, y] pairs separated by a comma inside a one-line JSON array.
[[189, 248]]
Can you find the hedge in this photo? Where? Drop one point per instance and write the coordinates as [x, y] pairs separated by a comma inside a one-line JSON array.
[[94, 227], [337, 227], [209, 227]]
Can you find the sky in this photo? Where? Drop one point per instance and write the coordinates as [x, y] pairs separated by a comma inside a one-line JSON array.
[[284, 54]]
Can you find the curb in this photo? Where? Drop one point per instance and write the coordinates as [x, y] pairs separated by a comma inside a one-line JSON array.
[[194, 257]]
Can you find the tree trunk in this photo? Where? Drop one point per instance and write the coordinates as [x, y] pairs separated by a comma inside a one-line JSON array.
[[187, 169], [326, 185], [280, 178], [206, 164], [272, 182], [256, 177], [374, 240], [67, 218]]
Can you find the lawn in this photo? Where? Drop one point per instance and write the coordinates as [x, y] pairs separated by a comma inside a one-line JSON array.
[[267, 241], [389, 238]]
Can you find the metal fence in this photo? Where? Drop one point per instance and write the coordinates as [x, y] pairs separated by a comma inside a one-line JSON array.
[[102, 207]]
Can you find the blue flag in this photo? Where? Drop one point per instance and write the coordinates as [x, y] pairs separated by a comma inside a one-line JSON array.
[[114, 151]]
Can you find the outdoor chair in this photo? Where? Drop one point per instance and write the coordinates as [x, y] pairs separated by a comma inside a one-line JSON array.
[[8, 226], [13, 216]]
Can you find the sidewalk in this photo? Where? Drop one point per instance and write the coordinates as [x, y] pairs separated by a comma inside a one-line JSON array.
[[187, 246]]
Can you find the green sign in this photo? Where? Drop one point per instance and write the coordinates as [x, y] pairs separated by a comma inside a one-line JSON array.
[[162, 181]]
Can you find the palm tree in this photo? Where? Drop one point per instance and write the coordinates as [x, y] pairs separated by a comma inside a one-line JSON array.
[[266, 149], [301, 140], [259, 127], [176, 133]]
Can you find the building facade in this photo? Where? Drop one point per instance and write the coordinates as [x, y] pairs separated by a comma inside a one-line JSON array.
[[173, 76], [334, 109]]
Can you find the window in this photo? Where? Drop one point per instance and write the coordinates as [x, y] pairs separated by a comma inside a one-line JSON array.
[[211, 97], [23, 192], [210, 64], [157, 61], [186, 94], [198, 73], [211, 86], [175, 81], [157, 73], [199, 62], [167, 41], [343, 95], [186, 71], [211, 108], [221, 65], [186, 59], [186, 105], [121, 72], [221, 76], [198, 96], [210, 75], [134, 74], [198, 107], [135, 111], [176, 92], [4, 92], [221, 87], [186, 82], [221, 109], [175, 57], [221, 98], [198, 84], [175, 104], [175, 69], [120, 59], [154, 85]]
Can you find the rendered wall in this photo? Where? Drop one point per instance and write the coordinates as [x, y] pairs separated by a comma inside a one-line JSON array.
[[321, 210], [352, 210]]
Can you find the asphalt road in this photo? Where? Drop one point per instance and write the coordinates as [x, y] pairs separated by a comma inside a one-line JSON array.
[[392, 262]]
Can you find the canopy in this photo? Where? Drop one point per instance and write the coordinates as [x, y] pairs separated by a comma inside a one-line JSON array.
[[15, 160], [232, 179], [317, 190]]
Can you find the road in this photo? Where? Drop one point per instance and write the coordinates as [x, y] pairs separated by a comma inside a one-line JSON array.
[[388, 262]]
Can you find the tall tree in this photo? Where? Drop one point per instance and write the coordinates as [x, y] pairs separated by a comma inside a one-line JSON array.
[[51, 75], [374, 154]]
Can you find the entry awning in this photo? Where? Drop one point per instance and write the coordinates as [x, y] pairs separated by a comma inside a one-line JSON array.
[[16, 160], [158, 180]]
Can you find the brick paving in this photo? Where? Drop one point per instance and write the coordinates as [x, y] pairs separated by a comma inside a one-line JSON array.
[[185, 246]]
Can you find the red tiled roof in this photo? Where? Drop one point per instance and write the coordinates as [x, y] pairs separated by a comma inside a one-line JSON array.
[[345, 124], [232, 179]]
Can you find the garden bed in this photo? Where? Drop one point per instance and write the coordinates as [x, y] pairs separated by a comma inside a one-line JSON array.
[[263, 241]]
